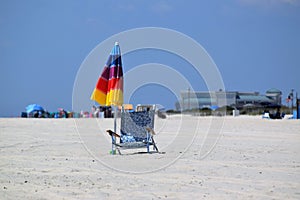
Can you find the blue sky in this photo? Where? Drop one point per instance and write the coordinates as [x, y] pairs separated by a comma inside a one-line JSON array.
[[254, 43]]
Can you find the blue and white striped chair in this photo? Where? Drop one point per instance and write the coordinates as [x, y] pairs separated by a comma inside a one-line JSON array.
[[136, 131]]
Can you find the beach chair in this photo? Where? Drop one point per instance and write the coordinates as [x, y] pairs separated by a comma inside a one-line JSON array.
[[266, 115], [136, 131]]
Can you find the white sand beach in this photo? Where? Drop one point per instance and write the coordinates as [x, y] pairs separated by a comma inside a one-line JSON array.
[[204, 158]]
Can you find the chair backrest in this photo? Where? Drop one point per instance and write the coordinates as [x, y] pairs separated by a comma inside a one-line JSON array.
[[135, 123]]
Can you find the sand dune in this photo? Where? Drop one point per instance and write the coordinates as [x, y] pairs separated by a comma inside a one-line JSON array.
[[204, 158]]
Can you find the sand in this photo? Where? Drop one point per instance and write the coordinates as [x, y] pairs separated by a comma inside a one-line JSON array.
[[203, 158]]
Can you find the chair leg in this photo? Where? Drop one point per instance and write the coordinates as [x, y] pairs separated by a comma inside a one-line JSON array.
[[154, 145], [119, 151], [148, 142]]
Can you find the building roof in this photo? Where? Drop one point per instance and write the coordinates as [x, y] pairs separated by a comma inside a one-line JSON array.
[[273, 91], [201, 100], [255, 98]]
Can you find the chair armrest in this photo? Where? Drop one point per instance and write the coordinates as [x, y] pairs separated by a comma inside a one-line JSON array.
[[150, 130], [111, 133]]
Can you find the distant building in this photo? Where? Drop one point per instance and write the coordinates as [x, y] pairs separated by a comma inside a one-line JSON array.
[[275, 95], [200, 99]]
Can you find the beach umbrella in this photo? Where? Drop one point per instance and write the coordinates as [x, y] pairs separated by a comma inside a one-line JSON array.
[[214, 107], [109, 88], [34, 107]]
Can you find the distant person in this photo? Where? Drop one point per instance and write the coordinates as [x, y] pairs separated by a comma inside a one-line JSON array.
[[63, 113], [277, 114]]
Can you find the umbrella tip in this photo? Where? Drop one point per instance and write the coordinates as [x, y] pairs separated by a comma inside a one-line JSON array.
[[116, 43]]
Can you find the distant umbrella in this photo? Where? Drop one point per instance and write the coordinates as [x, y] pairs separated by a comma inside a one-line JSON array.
[[214, 107], [34, 107]]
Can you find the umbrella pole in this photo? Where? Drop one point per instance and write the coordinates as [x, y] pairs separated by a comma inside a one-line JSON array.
[[113, 150]]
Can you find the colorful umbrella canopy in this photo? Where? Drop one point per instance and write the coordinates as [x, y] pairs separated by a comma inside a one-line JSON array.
[[109, 88]]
